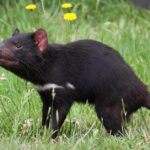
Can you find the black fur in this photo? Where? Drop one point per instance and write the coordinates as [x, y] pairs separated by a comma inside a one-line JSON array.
[[98, 73]]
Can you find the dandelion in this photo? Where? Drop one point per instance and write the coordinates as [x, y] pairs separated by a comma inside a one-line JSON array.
[[70, 16], [31, 7], [66, 5]]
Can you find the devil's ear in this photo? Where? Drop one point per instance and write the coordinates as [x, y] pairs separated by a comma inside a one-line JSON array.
[[41, 40], [16, 32]]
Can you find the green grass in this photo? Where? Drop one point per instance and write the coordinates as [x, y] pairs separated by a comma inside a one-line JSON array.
[[115, 23]]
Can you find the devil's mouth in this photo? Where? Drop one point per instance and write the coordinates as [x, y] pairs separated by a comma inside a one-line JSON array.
[[7, 62]]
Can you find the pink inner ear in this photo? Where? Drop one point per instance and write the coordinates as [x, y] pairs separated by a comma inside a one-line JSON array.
[[41, 39]]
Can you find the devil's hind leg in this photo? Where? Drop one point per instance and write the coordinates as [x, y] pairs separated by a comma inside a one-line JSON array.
[[111, 117]]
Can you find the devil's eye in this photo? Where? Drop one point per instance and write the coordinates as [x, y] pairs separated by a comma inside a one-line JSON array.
[[18, 45]]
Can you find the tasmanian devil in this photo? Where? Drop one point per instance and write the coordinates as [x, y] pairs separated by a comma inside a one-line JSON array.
[[84, 70]]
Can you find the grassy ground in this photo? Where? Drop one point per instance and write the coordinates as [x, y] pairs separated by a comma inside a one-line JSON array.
[[115, 23]]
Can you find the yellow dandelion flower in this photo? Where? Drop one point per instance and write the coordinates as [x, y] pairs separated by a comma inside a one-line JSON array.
[[70, 16], [31, 7], [66, 5]]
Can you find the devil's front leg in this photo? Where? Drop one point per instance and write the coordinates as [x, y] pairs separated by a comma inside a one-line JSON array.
[[46, 109], [61, 105]]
